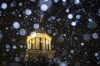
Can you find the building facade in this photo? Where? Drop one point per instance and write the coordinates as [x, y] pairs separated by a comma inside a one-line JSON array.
[[39, 44]]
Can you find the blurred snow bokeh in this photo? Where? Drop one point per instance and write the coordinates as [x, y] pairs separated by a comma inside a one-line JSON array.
[[3, 5], [73, 25]]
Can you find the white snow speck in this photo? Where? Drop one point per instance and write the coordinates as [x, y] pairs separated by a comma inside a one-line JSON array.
[[63, 64], [12, 4], [96, 54], [7, 46], [72, 51], [82, 44], [86, 37], [78, 16], [46, 0], [33, 33], [36, 26], [7, 49], [22, 32], [90, 20], [53, 17], [44, 7], [95, 35], [20, 4], [49, 31], [91, 24], [21, 46], [70, 16], [14, 47], [16, 25], [17, 59], [67, 10], [28, 12], [77, 1], [3, 5], [56, 1], [1, 35], [63, 0], [73, 23]]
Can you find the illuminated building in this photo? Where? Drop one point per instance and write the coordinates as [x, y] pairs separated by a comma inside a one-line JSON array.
[[39, 44]]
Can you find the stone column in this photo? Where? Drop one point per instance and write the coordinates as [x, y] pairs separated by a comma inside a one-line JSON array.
[[33, 42], [49, 45], [29, 44], [37, 42], [43, 43]]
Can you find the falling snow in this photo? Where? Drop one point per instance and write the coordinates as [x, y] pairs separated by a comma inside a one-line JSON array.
[[1, 35], [14, 47], [16, 25], [74, 26], [56, 1], [95, 35], [22, 32], [63, 64], [70, 16], [36, 26], [77, 1], [86, 37], [82, 44], [28, 12], [73, 23], [7, 46], [3, 5], [78, 16], [44, 7]]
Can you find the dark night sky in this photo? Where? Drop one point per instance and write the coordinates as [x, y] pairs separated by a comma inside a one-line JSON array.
[[74, 27]]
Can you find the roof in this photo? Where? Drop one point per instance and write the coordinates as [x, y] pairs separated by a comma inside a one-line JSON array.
[[39, 31]]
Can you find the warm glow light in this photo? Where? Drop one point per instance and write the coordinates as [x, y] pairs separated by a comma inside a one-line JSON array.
[[47, 42], [33, 34], [34, 40], [39, 43]]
